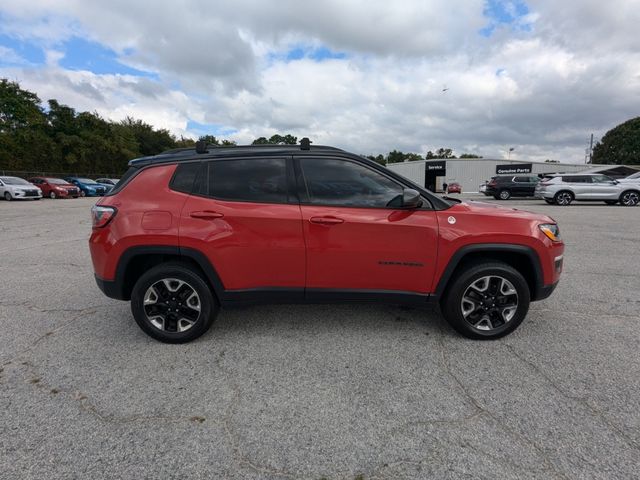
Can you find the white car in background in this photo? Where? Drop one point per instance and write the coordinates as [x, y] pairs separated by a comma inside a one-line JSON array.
[[14, 188], [635, 178]]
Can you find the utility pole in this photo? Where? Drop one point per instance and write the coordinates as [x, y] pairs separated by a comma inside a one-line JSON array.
[[591, 149]]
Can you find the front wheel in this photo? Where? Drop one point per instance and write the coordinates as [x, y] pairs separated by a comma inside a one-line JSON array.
[[82, 193], [172, 303], [7, 196], [630, 198], [505, 195], [52, 195], [486, 301]]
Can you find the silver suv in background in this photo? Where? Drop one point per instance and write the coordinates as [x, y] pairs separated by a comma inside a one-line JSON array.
[[562, 189]]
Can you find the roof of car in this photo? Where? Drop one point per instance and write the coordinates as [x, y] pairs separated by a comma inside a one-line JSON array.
[[214, 151]]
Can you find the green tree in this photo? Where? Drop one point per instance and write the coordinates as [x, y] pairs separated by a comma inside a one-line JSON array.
[[470, 155], [620, 145], [395, 157], [276, 140]]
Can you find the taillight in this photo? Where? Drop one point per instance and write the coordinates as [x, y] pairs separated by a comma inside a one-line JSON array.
[[101, 216]]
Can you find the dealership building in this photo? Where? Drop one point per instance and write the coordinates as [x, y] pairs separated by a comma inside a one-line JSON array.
[[473, 172]]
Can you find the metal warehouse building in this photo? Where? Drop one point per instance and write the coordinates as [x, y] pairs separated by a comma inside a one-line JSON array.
[[472, 172]]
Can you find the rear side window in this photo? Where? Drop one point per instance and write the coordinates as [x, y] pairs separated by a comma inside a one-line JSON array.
[[521, 179], [576, 179], [185, 177], [260, 180]]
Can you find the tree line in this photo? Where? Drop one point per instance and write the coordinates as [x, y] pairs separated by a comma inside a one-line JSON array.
[[57, 138]]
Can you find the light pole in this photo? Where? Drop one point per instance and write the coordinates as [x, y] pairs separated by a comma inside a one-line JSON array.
[[509, 154]]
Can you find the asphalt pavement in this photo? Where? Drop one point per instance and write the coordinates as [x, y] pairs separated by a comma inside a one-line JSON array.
[[316, 391]]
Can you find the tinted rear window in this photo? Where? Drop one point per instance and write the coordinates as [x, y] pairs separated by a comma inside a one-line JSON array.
[[129, 174], [185, 176], [260, 180]]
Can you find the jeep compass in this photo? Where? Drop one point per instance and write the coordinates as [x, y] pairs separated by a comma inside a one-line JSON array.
[[192, 230]]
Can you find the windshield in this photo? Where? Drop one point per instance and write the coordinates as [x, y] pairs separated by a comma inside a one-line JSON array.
[[56, 181], [86, 180], [14, 181]]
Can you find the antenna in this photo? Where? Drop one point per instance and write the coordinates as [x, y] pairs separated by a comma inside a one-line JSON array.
[[305, 144]]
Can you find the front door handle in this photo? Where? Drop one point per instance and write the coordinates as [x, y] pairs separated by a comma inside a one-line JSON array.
[[326, 220], [206, 215]]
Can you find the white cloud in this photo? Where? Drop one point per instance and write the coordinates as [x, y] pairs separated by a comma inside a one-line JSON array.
[[543, 91]]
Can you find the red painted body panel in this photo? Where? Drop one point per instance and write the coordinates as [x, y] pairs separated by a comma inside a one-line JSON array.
[[478, 222], [252, 245], [372, 248], [127, 228]]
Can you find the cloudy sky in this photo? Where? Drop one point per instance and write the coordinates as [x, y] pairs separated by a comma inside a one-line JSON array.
[[367, 75]]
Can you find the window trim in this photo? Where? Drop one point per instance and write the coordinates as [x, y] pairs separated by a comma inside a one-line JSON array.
[[305, 200], [290, 198]]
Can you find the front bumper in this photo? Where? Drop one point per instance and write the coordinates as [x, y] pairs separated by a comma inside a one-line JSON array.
[[545, 292]]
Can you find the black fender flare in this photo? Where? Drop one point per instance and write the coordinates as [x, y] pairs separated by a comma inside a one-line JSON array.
[[458, 256]]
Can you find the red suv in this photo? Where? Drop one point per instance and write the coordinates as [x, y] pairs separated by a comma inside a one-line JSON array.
[[190, 230]]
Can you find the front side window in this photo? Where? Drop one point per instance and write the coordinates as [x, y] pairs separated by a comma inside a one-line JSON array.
[[344, 183], [601, 179], [260, 180]]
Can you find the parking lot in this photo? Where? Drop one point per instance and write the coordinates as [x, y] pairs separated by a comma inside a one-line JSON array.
[[316, 391]]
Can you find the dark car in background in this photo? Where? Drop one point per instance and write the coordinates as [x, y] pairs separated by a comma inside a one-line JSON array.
[[55, 187], [88, 187], [503, 187]]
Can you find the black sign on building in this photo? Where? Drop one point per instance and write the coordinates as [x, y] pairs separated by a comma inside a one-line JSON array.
[[513, 168], [432, 170]]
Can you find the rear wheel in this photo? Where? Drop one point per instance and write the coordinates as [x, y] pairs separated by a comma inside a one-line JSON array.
[[52, 195], [563, 198], [630, 198], [486, 301], [7, 196], [82, 194], [173, 304], [504, 194]]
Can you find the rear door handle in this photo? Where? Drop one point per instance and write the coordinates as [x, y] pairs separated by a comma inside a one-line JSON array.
[[326, 220], [206, 215]]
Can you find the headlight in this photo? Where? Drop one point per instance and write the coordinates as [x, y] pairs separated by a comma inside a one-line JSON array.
[[551, 230]]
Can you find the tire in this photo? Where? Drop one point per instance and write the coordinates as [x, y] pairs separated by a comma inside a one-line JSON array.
[[52, 195], [504, 194], [630, 198], [563, 198], [610, 202], [82, 194], [549, 201], [495, 322], [7, 196], [153, 319]]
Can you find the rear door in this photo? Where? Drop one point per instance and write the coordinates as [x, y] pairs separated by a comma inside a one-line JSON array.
[[355, 241], [521, 186], [244, 216]]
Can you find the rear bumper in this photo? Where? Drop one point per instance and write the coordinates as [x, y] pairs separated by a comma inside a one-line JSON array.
[[110, 288]]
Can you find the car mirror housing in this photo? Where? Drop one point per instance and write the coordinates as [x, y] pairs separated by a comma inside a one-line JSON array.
[[411, 198]]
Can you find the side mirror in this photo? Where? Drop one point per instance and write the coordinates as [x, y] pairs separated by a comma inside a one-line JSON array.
[[410, 198]]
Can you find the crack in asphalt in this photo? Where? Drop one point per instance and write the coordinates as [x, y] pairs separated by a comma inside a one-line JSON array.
[[615, 429], [480, 408]]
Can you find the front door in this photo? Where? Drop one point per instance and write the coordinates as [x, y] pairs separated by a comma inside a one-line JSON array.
[[355, 240], [604, 188]]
